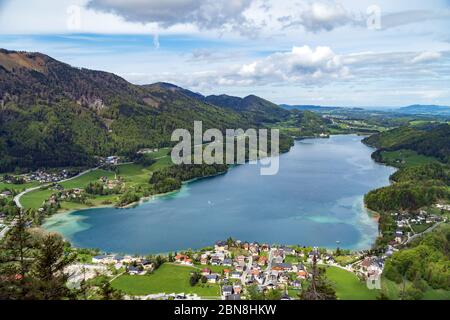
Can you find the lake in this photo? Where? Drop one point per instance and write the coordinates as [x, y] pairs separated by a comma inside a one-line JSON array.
[[316, 199]]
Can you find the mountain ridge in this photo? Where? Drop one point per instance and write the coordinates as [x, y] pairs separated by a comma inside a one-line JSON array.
[[54, 115]]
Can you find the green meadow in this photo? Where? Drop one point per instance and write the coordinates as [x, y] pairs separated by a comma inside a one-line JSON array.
[[168, 278]]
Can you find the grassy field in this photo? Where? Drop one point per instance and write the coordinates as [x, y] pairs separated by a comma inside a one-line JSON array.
[[348, 286], [17, 187], [293, 259], [159, 154], [419, 228], [34, 199], [168, 279], [402, 158], [82, 181]]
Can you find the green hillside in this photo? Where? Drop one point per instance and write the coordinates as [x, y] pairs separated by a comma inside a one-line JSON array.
[[54, 115], [429, 140], [253, 108]]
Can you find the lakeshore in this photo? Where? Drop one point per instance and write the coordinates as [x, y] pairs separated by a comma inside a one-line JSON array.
[[209, 203]]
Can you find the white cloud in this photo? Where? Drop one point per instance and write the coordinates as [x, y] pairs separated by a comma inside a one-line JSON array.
[[325, 16], [301, 63], [205, 14], [316, 67], [427, 56]]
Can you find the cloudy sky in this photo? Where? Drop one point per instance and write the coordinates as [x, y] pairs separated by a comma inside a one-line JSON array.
[[327, 52]]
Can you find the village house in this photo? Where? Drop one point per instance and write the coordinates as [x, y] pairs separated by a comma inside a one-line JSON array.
[[237, 289], [443, 207], [5, 194], [183, 259], [302, 274], [286, 267], [262, 261], [227, 290], [288, 251], [278, 259], [398, 236], [135, 270], [254, 248], [240, 267], [218, 255], [221, 246], [375, 269], [212, 278], [227, 262], [112, 160], [147, 265], [206, 271], [240, 259], [283, 278], [255, 272], [365, 264], [107, 259]]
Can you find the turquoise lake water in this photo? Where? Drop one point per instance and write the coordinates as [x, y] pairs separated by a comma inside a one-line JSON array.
[[315, 199]]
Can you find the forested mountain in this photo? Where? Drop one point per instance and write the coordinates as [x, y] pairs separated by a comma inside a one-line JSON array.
[[253, 108], [415, 186], [431, 140], [54, 115]]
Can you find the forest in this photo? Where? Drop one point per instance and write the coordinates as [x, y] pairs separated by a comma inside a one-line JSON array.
[[424, 263]]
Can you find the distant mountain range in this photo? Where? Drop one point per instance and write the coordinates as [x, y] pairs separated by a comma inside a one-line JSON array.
[[425, 109], [413, 109], [54, 115]]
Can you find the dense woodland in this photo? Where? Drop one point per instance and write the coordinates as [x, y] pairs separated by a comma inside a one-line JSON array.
[[53, 115], [170, 179], [415, 186], [431, 140], [424, 263]]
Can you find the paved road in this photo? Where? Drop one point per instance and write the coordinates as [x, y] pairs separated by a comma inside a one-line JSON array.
[[269, 265], [422, 233], [245, 273], [4, 232]]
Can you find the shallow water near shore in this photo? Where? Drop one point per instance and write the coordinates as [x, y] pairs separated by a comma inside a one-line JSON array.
[[316, 199]]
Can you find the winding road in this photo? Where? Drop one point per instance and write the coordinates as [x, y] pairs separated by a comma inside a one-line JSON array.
[[17, 197], [424, 232]]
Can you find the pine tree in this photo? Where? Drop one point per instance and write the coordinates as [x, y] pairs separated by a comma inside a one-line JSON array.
[[107, 292], [48, 270], [15, 260], [319, 288]]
